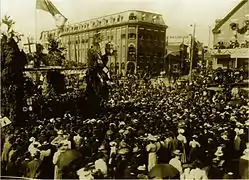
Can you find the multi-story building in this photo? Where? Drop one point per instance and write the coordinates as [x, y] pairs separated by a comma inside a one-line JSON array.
[[231, 38], [138, 37]]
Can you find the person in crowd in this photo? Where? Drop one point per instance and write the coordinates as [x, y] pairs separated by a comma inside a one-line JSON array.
[[194, 149], [57, 169], [151, 148], [33, 167], [197, 172], [136, 108], [176, 162]]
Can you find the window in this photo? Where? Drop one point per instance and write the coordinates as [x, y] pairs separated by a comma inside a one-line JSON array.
[[123, 66], [132, 16], [114, 19], [118, 19], [106, 21], [143, 17], [132, 36], [123, 35], [154, 19], [111, 37]]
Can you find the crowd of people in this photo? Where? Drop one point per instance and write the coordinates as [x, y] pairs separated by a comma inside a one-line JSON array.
[[201, 133]]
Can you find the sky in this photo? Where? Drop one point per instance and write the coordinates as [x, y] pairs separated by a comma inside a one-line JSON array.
[[178, 14]]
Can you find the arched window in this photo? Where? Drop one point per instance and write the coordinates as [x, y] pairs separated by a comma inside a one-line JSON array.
[[143, 17], [132, 16], [123, 66]]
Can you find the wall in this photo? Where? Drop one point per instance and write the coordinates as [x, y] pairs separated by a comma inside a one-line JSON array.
[[226, 33]]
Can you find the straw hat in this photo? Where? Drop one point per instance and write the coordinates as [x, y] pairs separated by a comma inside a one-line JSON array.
[[181, 131], [195, 136], [141, 168], [32, 139], [60, 132], [177, 152], [113, 143], [219, 152], [151, 138], [122, 123], [123, 151]]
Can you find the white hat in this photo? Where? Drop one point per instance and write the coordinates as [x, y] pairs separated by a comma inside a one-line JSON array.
[[113, 143], [60, 132], [122, 123], [181, 131], [102, 147], [141, 168], [151, 138], [123, 151], [32, 139], [219, 152], [177, 152]]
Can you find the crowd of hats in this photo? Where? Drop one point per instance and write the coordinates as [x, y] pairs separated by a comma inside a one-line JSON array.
[[138, 113]]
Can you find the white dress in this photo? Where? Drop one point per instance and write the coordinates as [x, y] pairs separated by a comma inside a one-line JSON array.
[[57, 170], [152, 159], [198, 174]]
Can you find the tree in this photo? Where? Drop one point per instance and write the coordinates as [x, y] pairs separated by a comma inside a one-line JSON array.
[[55, 57], [55, 52], [12, 80]]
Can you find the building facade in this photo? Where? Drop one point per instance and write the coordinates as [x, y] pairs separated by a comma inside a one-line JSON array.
[[231, 38], [138, 38]]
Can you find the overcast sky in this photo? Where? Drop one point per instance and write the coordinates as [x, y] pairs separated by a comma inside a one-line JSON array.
[[177, 14]]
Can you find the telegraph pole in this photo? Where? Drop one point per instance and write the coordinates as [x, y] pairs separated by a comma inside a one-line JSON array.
[[192, 54], [209, 37]]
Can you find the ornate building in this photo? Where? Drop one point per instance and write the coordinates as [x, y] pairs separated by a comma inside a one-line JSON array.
[[138, 38], [231, 35]]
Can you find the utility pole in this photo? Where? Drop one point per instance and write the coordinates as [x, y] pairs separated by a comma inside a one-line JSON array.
[[209, 37], [192, 54]]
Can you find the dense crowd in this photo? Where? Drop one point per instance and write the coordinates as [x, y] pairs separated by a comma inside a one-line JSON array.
[[201, 133]]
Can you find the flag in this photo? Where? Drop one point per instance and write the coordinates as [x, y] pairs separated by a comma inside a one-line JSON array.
[[47, 5]]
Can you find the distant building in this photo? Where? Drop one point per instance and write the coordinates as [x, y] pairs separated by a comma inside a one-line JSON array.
[[231, 35], [138, 37], [178, 52]]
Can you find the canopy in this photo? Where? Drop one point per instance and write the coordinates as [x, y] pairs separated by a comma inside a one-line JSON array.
[[215, 88], [240, 55]]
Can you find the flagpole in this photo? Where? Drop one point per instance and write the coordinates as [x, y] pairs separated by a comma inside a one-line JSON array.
[[35, 23]]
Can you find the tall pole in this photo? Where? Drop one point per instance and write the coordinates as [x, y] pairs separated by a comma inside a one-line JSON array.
[[209, 37], [192, 54]]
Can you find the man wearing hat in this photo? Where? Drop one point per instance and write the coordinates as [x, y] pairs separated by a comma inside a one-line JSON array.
[[194, 145], [176, 161]]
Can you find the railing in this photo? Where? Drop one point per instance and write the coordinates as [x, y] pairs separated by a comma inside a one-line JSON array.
[[230, 51]]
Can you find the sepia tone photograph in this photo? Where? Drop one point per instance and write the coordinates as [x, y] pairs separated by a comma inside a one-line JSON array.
[[124, 89]]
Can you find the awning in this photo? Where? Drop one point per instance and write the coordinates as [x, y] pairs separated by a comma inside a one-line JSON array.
[[240, 53], [244, 55], [215, 88]]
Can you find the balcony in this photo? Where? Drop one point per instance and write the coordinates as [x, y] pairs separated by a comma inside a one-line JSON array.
[[233, 53]]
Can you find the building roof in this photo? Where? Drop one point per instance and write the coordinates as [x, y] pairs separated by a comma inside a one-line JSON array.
[[229, 15]]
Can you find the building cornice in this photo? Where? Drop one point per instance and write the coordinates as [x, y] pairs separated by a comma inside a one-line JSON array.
[[112, 26]]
